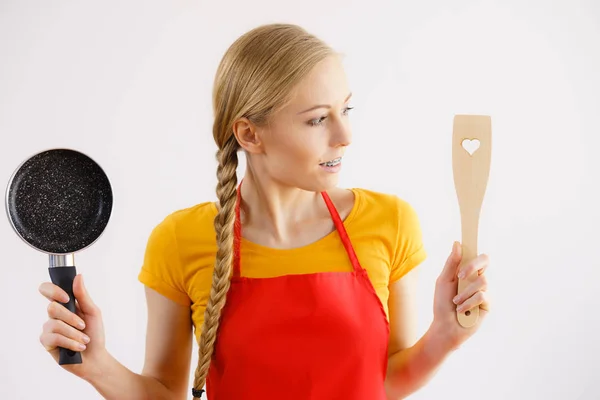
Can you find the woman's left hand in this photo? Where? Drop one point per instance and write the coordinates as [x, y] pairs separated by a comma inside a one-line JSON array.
[[447, 302]]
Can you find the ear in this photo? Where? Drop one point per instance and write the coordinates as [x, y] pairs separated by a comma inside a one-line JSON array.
[[247, 136]]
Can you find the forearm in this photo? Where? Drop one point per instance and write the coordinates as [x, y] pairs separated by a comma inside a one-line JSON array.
[[411, 368], [114, 381]]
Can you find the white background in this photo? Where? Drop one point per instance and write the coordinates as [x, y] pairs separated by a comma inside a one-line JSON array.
[[129, 83]]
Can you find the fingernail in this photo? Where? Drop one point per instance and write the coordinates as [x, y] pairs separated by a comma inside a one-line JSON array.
[[462, 274], [81, 325], [65, 298], [456, 299], [81, 346], [86, 339]]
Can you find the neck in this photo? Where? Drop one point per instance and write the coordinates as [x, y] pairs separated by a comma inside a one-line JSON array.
[[276, 209]]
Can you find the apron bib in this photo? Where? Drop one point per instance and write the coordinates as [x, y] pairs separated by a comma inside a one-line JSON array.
[[318, 336]]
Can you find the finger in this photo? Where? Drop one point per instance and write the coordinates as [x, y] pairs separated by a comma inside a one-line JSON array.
[[86, 305], [59, 312], [452, 263], [53, 292], [61, 328], [51, 341], [78, 311], [476, 300], [485, 305], [478, 264], [479, 284]]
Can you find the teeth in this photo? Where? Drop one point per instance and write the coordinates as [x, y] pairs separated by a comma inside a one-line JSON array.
[[332, 162]]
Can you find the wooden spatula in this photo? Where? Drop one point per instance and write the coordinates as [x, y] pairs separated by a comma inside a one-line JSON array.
[[471, 154]]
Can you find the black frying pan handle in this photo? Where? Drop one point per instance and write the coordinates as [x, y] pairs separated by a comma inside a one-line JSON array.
[[63, 277]]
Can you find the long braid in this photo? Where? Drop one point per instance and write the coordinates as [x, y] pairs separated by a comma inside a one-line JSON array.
[[224, 221]]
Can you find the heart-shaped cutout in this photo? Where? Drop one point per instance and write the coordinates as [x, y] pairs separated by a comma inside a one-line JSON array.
[[470, 145]]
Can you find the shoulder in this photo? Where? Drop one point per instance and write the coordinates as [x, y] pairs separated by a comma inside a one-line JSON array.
[[180, 246], [184, 232], [200, 212], [396, 223], [390, 207], [194, 220], [387, 233]]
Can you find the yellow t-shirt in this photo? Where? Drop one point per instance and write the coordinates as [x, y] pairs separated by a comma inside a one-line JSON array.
[[180, 254]]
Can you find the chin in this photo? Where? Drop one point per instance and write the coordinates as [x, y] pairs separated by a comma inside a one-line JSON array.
[[319, 184]]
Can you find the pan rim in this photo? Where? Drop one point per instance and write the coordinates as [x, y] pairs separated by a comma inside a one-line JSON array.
[[7, 195]]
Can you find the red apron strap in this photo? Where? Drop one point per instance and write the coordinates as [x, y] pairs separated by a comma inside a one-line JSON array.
[[339, 224], [237, 233]]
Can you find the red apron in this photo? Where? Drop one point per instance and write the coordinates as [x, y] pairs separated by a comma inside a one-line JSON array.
[[318, 336]]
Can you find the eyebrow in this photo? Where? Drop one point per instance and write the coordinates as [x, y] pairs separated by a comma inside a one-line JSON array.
[[323, 105]]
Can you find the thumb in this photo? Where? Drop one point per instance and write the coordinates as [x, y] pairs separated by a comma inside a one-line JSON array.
[[452, 263], [84, 300]]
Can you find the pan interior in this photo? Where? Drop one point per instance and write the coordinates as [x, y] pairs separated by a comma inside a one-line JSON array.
[[59, 201]]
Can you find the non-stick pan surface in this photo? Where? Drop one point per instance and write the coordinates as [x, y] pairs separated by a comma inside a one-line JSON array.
[[59, 201]]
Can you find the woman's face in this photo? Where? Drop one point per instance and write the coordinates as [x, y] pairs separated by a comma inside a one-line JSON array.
[[313, 129]]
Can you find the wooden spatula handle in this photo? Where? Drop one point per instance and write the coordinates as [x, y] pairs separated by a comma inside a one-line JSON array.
[[469, 223], [469, 252]]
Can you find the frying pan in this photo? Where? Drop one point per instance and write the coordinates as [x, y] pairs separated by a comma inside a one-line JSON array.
[[59, 202]]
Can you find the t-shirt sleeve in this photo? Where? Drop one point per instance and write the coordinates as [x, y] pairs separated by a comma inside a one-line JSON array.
[[162, 269], [410, 251]]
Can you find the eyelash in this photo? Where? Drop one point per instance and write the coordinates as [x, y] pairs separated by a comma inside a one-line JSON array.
[[319, 121]]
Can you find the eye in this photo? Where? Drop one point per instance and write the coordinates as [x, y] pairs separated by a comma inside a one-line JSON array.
[[319, 121]]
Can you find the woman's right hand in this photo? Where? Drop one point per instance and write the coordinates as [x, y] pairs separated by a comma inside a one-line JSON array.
[[82, 332]]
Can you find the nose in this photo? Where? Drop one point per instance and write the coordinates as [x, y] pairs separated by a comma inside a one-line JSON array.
[[341, 136]]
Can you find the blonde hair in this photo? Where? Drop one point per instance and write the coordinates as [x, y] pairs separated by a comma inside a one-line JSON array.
[[254, 80]]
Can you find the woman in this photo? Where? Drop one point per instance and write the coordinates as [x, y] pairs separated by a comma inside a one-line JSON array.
[[311, 292]]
